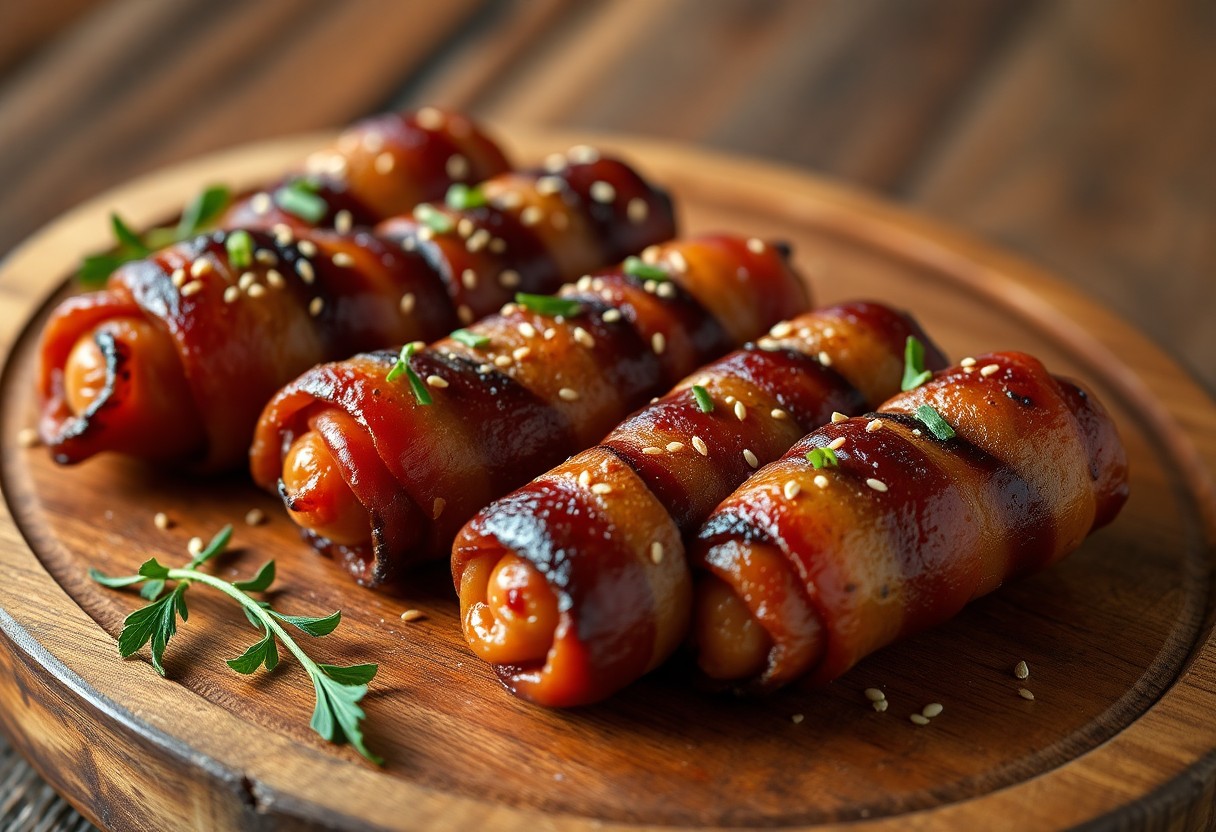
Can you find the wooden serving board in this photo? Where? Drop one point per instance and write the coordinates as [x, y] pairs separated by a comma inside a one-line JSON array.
[[1118, 637]]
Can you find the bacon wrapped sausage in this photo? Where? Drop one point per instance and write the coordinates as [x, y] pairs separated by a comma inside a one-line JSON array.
[[174, 360], [576, 584], [382, 474], [378, 168], [989, 471]]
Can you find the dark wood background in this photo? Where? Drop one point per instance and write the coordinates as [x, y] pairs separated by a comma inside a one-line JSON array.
[[1081, 134]]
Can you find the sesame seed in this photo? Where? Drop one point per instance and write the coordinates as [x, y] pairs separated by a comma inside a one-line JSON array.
[[877, 485], [260, 203], [601, 488], [194, 546], [527, 330], [509, 279], [255, 517], [161, 521], [584, 337], [880, 705], [192, 288], [436, 381], [740, 411], [1025, 694], [465, 227], [343, 259], [658, 343], [385, 163], [200, 267], [791, 489], [650, 287], [1021, 670], [919, 719], [652, 450], [412, 615], [554, 162], [612, 316], [781, 330], [373, 141], [825, 359], [409, 244], [468, 277], [428, 118], [568, 394], [343, 221], [967, 362], [751, 458], [549, 185], [932, 709], [316, 306], [283, 234], [478, 240], [656, 552], [484, 368], [989, 369], [437, 507], [256, 290], [602, 191], [457, 166], [246, 280], [426, 233], [498, 245], [768, 344], [583, 154], [231, 294], [796, 718], [178, 278], [650, 254], [407, 303], [821, 481], [530, 215], [837, 443], [916, 432], [699, 444], [873, 425], [549, 334], [678, 263], [828, 331], [305, 271], [874, 694], [837, 416], [675, 447], [584, 479], [778, 414], [637, 210], [520, 353], [465, 314], [274, 279], [502, 361], [308, 248], [755, 245]]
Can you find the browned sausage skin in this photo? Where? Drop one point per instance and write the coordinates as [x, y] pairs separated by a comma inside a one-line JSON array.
[[576, 584], [832, 564]]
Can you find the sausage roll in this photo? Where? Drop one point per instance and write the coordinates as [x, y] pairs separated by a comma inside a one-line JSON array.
[[381, 473], [175, 358], [876, 527], [577, 583]]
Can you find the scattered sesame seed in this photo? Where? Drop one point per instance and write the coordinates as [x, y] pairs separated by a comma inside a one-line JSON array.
[[874, 694], [602, 191], [796, 718], [305, 271], [583, 154], [656, 552], [880, 705], [932, 709], [568, 394], [791, 489], [246, 280], [260, 203], [194, 546], [989, 369], [412, 615], [650, 254], [755, 245], [428, 118], [343, 221], [549, 334], [527, 330], [502, 361], [407, 303], [584, 479], [637, 210], [343, 259], [457, 166], [601, 488], [465, 314], [967, 362], [821, 481], [678, 264], [408, 244], [837, 443], [426, 233], [231, 294], [825, 359], [652, 450], [873, 425], [465, 227], [509, 279], [316, 306], [751, 458], [468, 277], [257, 290], [162, 521], [255, 517], [283, 235], [436, 381], [178, 278], [612, 316], [1021, 670], [666, 290], [274, 279], [373, 141], [200, 267], [549, 185], [675, 447], [740, 411], [308, 248], [192, 288], [478, 240], [437, 507], [658, 343], [554, 162], [385, 163], [877, 485], [584, 337], [1025, 694], [828, 331], [520, 353], [919, 719], [650, 286], [781, 330], [778, 414], [837, 416]]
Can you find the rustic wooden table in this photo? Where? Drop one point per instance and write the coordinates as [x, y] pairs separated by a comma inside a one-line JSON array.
[[1079, 134]]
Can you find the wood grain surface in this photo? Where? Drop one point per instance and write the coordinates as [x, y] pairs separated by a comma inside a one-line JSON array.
[[1118, 637], [1078, 134]]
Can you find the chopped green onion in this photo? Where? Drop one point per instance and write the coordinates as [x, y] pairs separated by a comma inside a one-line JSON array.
[[822, 458], [240, 249], [461, 197], [470, 339], [915, 373], [549, 305], [301, 202], [704, 402], [433, 218], [202, 210], [933, 420], [402, 368], [637, 267]]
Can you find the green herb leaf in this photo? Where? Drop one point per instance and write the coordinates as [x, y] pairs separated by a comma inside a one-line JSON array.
[[263, 653], [217, 545], [637, 267], [433, 218], [933, 420], [259, 582], [355, 674], [96, 268], [549, 305], [822, 458], [337, 714], [470, 339], [704, 401], [152, 589], [402, 368], [152, 568], [116, 582], [128, 240], [240, 249], [313, 626], [915, 373], [201, 211], [301, 203], [155, 623], [253, 618], [461, 197]]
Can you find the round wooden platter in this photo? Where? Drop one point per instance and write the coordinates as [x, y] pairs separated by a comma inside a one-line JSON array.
[[1118, 637]]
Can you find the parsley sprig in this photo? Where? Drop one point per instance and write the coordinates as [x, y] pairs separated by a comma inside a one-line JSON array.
[[915, 373], [199, 213], [337, 715]]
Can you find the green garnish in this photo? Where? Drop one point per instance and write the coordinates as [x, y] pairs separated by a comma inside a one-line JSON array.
[[202, 211], [299, 198], [433, 218], [461, 197], [549, 305], [127, 239], [915, 373], [704, 402], [637, 267], [470, 339], [402, 368], [933, 420], [240, 249], [822, 458], [338, 689]]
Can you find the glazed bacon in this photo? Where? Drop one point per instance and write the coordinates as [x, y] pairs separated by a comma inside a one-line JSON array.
[[381, 479], [808, 571], [577, 584], [174, 360], [378, 168]]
